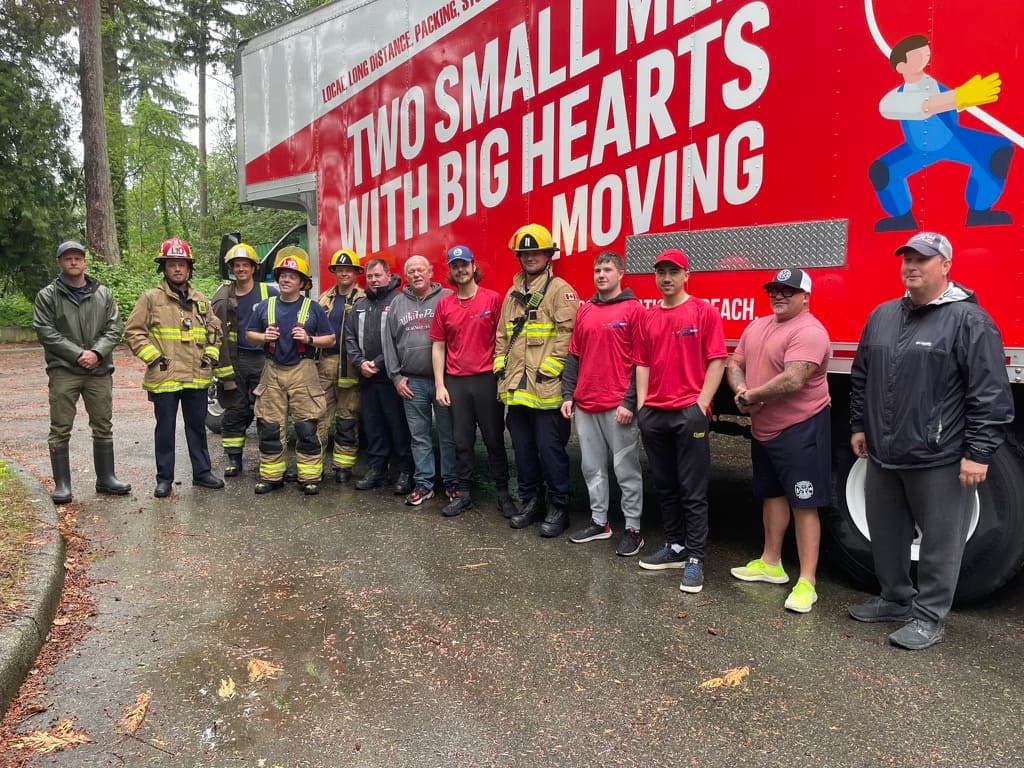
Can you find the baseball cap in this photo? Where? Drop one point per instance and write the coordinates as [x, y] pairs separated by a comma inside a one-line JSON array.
[[673, 256], [459, 253], [928, 244], [793, 278], [69, 245]]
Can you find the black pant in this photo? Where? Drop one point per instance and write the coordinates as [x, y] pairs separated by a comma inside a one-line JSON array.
[[679, 454], [475, 402], [539, 438], [384, 424], [248, 370], [193, 413]]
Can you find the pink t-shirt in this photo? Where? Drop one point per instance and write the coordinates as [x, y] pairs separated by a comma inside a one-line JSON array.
[[767, 345], [603, 339], [467, 328], [677, 344]]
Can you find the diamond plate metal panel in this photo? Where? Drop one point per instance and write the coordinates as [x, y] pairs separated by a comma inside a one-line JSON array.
[[733, 249]]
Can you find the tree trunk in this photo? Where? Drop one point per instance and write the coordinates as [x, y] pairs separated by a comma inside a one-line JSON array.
[[100, 225], [116, 132], [203, 175]]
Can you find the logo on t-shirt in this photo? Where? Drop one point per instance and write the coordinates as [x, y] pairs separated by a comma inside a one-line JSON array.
[[803, 489], [617, 325], [688, 330]]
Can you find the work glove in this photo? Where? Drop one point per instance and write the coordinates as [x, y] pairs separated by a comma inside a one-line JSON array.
[[206, 361], [161, 362], [978, 90], [228, 394]]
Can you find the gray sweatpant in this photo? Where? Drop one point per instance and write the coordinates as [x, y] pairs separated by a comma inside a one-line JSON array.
[[933, 499], [600, 436]]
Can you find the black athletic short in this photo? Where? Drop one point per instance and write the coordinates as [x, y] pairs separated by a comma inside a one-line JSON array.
[[797, 464]]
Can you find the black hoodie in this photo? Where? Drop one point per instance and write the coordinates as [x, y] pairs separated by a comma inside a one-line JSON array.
[[364, 325]]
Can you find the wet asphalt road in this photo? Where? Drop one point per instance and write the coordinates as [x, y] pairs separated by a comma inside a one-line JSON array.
[[407, 639]]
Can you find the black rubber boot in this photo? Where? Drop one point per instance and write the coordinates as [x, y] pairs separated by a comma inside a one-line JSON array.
[[233, 463], [60, 461], [103, 461]]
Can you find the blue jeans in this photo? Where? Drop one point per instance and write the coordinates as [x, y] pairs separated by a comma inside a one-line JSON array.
[[418, 413]]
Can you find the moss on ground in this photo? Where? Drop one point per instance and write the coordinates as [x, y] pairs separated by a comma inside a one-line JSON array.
[[15, 535]]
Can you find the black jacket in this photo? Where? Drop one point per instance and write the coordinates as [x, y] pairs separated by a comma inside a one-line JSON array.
[[929, 384], [364, 327]]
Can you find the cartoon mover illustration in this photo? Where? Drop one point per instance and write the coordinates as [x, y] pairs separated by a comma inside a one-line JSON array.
[[927, 112]]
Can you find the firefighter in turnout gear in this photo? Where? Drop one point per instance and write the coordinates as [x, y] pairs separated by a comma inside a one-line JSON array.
[[338, 376], [173, 330], [291, 327], [537, 318], [233, 303]]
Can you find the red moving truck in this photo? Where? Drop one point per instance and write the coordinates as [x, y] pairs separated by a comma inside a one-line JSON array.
[[755, 135]]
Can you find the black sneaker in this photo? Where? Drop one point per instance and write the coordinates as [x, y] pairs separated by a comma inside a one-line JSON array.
[[592, 532], [666, 557], [693, 576], [630, 543], [419, 494], [458, 505]]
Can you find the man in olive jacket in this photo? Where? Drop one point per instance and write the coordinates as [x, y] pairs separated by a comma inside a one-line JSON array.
[[78, 324]]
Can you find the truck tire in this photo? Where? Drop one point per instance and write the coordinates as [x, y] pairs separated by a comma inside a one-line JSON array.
[[995, 543], [214, 413]]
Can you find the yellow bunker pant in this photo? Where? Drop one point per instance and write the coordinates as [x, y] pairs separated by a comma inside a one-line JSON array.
[[341, 414], [289, 391]]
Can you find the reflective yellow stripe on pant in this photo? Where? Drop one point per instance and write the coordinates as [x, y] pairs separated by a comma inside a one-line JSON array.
[[341, 416], [295, 391]]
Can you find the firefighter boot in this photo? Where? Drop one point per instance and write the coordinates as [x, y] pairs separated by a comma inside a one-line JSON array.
[[555, 523], [61, 463], [233, 463], [103, 461]]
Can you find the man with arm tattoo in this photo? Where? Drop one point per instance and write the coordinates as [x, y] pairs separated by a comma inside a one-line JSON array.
[[778, 373]]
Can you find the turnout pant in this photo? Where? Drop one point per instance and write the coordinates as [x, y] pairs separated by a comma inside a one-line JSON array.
[[539, 438], [475, 403], [384, 424], [193, 414], [602, 437], [679, 454], [341, 415], [289, 390], [933, 499], [237, 418], [97, 393]]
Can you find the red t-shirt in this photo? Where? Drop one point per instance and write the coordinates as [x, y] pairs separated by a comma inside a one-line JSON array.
[[603, 339], [677, 344], [467, 327], [767, 345]]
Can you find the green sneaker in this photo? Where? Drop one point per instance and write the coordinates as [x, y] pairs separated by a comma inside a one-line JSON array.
[[759, 570], [802, 597]]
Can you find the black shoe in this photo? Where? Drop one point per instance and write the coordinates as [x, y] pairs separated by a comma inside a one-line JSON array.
[[266, 486], [374, 478], [904, 223], [310, 489], [342, 476], [630, 543], [403, 484], [506, 506], [988, 218], [666, 557], [458, 505], [208, 480], [233, 468], [534, 511], [555, 523], [918, 634], [291, 476], [591, 532], [419, 495], [877, 610], [163, 489]]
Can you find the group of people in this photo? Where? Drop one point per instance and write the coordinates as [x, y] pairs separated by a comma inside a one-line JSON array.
[[399, 363]]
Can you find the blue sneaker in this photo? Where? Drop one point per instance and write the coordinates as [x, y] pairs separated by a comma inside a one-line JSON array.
[[666, 557], [693, 575]]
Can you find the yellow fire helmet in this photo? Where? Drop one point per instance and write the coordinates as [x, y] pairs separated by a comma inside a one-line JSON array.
[[345, 258], [532, 237], [242, 251], [296, 259]]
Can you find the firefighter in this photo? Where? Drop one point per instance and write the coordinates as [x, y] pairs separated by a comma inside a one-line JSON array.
[[291, 327], [233, 304], [537, 318], [338, 376], [174, 332]]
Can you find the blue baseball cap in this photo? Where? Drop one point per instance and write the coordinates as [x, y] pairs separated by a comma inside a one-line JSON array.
[[460, 253], [70, 245]]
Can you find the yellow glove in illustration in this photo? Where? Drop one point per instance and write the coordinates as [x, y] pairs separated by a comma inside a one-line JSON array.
[[978, 90]]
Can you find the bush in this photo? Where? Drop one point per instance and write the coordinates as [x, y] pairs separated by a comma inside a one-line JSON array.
[[128, 282], [15, 310]]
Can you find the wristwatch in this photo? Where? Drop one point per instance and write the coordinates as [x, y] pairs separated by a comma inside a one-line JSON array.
[[742, 399]]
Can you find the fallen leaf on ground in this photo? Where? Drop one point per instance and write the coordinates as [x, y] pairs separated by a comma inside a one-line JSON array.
[[60, 737], [262, 670], [474, 565], [132, 719], [227, 688], [731, 678]]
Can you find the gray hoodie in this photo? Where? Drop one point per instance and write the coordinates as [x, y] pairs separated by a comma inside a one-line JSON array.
[[407, 343]]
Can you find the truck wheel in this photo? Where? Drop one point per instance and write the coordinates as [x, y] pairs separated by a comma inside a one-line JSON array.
[[214, 413], [995, 541]]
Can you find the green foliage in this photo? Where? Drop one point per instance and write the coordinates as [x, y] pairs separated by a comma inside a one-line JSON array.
[[129, 281], [15, 310]]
